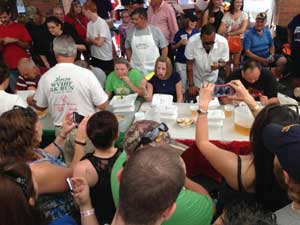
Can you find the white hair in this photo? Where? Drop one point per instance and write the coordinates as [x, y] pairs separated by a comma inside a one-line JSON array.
[[64, 46]]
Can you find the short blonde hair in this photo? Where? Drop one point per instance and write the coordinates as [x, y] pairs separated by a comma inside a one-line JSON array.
[[167, 61]]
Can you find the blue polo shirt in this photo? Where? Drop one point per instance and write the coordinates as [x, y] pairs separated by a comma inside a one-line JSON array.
[[180, 57], [258, 44]]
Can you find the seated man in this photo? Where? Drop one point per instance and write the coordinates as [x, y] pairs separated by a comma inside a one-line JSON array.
[[284, 142], [193, 200], [29, 75], [258, 45], [260, 82], [7, 101]]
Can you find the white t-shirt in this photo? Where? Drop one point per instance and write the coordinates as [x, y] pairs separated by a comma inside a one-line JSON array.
[[96, 29], [233, 25], [69, 88], [202, 61], [201, 4], [8, 101]]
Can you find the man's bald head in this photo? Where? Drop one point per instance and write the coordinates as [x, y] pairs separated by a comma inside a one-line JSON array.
[[59, 13], [27, 68]]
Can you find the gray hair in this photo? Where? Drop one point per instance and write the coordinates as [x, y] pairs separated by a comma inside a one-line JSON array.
[[64, 46]]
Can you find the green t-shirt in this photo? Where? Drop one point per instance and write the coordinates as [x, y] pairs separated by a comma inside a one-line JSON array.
[[191, 208], [116, 85]]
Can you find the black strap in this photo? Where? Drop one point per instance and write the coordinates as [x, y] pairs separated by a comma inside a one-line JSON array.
[[239, 177]]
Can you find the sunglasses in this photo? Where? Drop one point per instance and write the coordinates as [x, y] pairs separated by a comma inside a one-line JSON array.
[[208, 43], [28, 112]]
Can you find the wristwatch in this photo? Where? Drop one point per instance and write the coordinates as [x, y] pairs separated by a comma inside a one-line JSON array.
[[202, 112]]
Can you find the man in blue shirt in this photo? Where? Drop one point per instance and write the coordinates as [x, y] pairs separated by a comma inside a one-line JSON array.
[[258, 45]]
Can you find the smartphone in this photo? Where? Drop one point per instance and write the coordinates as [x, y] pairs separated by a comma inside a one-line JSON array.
[[77, 118], [223, 90], [69, 183]]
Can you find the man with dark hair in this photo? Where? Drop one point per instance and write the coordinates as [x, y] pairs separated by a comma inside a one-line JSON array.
[[143, 42], [258, 45], [7, 101], [14, 41], [206, 53], [260, 82], [149, 186], [284, 142]]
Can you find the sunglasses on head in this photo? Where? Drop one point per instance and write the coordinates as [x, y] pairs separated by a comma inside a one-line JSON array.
[[28, 112]]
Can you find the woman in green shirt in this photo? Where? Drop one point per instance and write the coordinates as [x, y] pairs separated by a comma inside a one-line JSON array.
[[124, 80]]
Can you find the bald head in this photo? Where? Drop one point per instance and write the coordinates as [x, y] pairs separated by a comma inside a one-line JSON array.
[[27, 68]]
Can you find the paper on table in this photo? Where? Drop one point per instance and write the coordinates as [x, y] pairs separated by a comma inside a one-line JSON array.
[[214, 103], [162, 100], [125, 101], [25, 94]]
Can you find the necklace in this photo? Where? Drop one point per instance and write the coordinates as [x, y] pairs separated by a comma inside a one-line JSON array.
[[297, 210]]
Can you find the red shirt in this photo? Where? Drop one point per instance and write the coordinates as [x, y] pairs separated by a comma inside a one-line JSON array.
[[12, 53], [80, 24]]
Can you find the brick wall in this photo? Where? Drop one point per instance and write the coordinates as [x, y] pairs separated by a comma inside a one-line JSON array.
[[44, 5], [286, 10]]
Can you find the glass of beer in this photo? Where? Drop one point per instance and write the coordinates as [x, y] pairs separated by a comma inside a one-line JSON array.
[[194, 109], [228, 109]]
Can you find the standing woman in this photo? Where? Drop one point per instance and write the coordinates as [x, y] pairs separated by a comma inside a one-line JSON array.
[[164, 81], [233, 26], [213, 14], [77, 19], [179, 43]]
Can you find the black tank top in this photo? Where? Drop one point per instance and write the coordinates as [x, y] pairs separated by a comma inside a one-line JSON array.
[[101, 195], [218, 18]]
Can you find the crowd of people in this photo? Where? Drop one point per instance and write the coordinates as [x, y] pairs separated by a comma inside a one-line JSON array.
[[71, 62]]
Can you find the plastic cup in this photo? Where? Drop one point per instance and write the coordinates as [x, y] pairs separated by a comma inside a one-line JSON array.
[[228, 109], [193, 109], [184, 36]]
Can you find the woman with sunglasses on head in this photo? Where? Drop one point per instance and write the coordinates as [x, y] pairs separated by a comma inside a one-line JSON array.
[[233, 26], [193, 200], [18, 193], [164, 81], [102, 130], [250, 176], [180, 40], [20, 136]]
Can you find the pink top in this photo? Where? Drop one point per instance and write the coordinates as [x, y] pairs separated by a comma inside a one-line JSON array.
[[164, 18]]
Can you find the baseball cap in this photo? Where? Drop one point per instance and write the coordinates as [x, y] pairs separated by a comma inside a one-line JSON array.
[[261, 16], [284, 141], [147, 128], [31, 11], [191, 16]]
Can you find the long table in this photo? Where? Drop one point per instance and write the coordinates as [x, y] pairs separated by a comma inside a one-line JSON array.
[[223, 133]]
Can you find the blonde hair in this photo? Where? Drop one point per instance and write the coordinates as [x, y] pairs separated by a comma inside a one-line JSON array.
[[167, 61], [89, 5]]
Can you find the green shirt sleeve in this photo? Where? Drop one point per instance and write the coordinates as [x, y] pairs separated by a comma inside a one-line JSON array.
[[109, 83], [135, 77]]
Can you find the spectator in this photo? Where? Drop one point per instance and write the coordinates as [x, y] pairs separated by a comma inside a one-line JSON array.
[[164, 81], [49, 172], [124, 80], [283, 141], [245, 213], [99, 38], [200, 6], [213, 14], [180, 41], [56, 28], [131, 5], [136, 203], [143, 42], [251, 175], [77, 19], [203, 52], [104, 8], [260, 82], [38, 31], [123, 29], [7, 101], [234, 24], [162, 15], [30, 75], [14, 41], [294, 40], [18, 192], [67, 87], [193, 200], [102, 130], [258, 45]]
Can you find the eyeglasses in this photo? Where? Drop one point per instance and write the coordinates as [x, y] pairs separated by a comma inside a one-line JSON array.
[[28, 112], [208, 43], [20, 181], [152, 135]]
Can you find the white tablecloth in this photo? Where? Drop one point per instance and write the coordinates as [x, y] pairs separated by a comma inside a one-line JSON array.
[[224, 133]]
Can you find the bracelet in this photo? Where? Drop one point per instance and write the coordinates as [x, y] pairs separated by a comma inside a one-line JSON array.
[[61, 151], [80, 143], [202, 112], [87, 213]]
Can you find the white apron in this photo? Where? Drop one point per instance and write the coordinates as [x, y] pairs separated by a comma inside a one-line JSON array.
[[144, 52]]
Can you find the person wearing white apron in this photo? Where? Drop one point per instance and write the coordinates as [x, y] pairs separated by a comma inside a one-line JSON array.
[[144, 52]]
